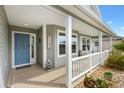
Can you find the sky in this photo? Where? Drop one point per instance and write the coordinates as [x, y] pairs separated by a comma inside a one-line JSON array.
[[113, 15]]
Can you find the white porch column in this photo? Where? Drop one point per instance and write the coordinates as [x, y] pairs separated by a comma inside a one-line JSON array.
[[110, 43], [69, 51], [100, 46], [91, 54], [44, 44]]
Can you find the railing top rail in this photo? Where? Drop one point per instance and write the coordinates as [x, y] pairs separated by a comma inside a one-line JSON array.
[[81, 57], [95, 53], [105, 51]]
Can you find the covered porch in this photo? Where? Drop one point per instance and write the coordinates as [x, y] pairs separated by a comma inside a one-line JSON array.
[[56, 41]]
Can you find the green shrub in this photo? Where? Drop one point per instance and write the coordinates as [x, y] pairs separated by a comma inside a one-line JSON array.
[[119, 46], [116, 60], [120, 63], [101, 83], [89, 82], [108, 75]]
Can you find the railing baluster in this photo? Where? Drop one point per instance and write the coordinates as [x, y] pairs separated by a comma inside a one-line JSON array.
[[79, 66], [72, 69], [75, 68]]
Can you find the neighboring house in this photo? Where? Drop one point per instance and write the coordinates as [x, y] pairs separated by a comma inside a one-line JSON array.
[[71, 36], [117, 39]]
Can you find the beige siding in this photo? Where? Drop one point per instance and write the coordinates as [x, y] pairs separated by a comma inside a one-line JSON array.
[[106, 43], [39, 47], [51, 31], [4, 64]]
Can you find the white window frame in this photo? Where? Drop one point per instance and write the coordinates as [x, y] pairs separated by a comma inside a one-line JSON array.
[[81, 44], [63, 55]]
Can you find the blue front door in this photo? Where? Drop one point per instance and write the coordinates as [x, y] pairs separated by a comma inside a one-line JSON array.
[[22, 49]]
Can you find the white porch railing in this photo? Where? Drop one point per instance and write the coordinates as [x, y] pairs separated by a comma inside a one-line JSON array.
[[82, 65], [95, 59], [105, 55]]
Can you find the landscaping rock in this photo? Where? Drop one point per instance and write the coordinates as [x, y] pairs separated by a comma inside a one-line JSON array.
[[116, 82]]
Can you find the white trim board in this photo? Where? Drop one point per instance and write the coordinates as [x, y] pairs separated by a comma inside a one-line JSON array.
[[32, 61]]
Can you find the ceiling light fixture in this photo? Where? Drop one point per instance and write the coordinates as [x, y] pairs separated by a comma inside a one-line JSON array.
[[26, 24]]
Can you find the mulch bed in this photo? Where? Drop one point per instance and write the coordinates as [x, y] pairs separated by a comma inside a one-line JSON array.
[[117, 81]]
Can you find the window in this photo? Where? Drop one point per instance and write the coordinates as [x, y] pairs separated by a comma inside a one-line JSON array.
[[62, 43], [74, 43], [85, 44], [96, 43], [88, 44], [49, 41], [32, 46]]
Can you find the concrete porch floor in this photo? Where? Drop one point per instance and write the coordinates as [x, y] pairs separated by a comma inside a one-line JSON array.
[[35, 77]]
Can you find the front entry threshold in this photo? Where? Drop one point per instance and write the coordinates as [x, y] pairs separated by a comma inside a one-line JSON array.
[[23, 67]]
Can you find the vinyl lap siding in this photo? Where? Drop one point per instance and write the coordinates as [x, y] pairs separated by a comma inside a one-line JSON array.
[[4, 65], [52, 53], [51, 30]]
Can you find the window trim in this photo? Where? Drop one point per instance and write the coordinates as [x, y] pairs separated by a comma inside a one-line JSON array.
[[63, 55], [81, 44]]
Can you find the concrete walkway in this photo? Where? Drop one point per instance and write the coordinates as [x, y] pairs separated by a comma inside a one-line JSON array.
[[35, 77]]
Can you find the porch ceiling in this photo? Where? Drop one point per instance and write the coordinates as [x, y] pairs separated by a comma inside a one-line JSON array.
[[36, 16]]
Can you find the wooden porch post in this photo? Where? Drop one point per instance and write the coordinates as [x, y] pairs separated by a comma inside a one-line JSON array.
[[100, 46], [69, 52], [44, 44]]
